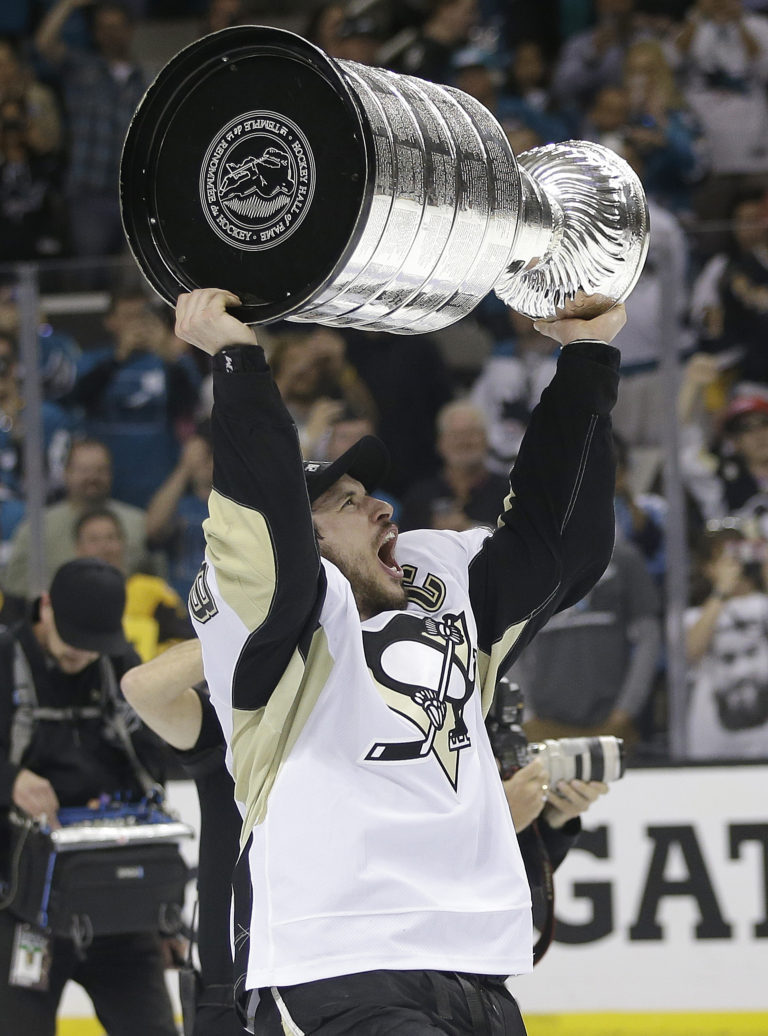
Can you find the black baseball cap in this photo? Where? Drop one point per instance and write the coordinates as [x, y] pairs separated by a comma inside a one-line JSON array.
[[88, 601], [367, 461]]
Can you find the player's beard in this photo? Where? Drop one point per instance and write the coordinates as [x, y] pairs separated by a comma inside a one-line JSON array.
[[371, 595]]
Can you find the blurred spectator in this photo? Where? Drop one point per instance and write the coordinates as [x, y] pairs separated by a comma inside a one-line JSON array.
[[58, 351], [727, 649], [545, 23], [56, 430], [475, 76], [88, 482], [639, 412], [743, 468], [607, 118], [133, 392], [176, 512], [730, 477], [446, 28], [101, 91], [521, 138], [510, 385], [358, 39], [17, 83], [591, 669], [729, 299], [640, 517], [155, 617], [699, 401], [12, 510], [346, 429], [409, 382], [316, 381], [724, 52], [700, 372], [323, 25], [527, 99], [662, 131], [33, 222], [595, 57], [465, 493], [223, 14]]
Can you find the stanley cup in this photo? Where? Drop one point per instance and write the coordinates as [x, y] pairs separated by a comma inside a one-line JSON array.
[[327, 191]]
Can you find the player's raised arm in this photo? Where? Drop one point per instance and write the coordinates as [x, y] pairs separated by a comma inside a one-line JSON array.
[[262, 566], [555, 532]]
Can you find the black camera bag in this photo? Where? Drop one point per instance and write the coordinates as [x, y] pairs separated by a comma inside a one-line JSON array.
[[106, 890]]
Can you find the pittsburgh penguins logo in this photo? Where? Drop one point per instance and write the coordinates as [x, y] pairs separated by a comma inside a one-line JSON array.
[[425, 671], [201, 604]]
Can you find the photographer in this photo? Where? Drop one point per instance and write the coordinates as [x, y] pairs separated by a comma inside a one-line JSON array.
[[546, 818], [531, 798], [67, 738]]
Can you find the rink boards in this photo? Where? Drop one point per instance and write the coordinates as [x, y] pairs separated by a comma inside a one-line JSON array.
[[662, 913]]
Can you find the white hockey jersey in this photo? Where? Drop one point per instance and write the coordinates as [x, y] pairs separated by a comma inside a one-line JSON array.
[[376, 833]]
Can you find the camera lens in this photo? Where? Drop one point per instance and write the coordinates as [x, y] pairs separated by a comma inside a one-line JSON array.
[[586, 758]]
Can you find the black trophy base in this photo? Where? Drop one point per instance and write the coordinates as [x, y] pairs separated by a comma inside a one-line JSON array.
[[246, 167]]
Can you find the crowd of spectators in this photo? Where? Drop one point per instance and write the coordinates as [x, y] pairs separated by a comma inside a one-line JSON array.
[[679, 89]]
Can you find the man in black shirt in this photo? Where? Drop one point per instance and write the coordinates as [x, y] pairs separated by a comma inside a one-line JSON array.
[[60, 745]]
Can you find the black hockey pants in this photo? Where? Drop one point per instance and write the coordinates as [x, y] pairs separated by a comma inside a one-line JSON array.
[[391, 1003]]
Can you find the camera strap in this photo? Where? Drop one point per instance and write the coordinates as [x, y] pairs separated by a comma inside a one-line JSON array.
[[115, 719], [548, 927], [112, 711]]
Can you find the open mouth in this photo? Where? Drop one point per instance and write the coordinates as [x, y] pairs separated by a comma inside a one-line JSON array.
[[386, 553]]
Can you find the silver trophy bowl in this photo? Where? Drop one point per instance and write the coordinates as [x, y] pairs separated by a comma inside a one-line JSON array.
[[330, 192]]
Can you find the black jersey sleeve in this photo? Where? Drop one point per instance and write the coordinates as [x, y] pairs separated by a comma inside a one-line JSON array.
[[555, 533], [260, 538]]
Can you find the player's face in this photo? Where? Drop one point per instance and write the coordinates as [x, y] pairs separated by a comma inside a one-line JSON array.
[[355, 531]]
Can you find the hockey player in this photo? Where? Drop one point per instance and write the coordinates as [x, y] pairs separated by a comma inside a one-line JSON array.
[[379, 886], [169, 695]]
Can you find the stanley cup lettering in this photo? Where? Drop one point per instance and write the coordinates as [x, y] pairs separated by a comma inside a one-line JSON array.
[[326, 191]]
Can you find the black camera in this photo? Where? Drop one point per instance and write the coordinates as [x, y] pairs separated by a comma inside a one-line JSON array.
[[588, 758]]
